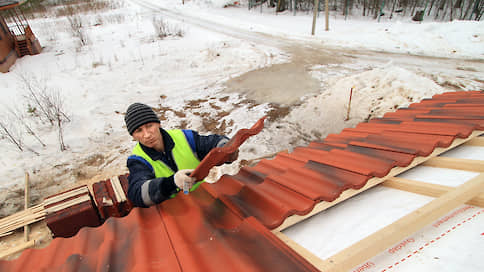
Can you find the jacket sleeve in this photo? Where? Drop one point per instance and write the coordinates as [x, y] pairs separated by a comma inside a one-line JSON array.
[[204, 144], [144, 189]]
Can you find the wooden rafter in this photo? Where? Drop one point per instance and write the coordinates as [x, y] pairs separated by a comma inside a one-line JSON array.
[[428, 189], [456, 163]]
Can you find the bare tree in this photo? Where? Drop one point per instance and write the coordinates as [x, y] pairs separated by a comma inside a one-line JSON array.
[[11, 134], [75, 22], [33, 95], [21, 119], [57, 103]]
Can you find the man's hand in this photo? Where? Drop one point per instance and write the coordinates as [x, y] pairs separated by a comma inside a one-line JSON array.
[[183, 180]]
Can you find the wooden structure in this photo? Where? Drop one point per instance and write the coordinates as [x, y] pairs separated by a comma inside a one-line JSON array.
[[446, 199], [16, 36]]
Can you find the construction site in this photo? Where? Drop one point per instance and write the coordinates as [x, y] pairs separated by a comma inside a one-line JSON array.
[[359, 164]]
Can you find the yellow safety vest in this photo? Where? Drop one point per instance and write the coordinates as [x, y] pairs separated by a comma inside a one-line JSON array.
[[182, 154]]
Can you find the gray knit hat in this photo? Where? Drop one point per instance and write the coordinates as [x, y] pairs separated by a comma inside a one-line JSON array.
[[137, 115]]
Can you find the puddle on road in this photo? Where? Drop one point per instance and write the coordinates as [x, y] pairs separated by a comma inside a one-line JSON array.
[[280, 83], [284, 83]]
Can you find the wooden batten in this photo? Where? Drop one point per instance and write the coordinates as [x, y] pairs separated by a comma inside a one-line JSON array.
[[456, 163], [428, 189]]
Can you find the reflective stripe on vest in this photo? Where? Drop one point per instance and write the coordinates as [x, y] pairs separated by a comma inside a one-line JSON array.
[[182, 154]]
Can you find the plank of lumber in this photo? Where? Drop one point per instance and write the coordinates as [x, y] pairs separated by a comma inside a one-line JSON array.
[[428, 189], [391, 234], [16, 249], [306, 254], [478, 141], [66, 195], [68, 203], [22, 222], [456, 163], [21, 219], [18, 216], [294, 219]]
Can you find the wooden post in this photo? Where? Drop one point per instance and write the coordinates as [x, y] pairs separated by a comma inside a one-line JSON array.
[[326, 12], [349, 105], [27, 201]]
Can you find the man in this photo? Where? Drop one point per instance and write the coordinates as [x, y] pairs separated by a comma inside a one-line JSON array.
[[163, 160]]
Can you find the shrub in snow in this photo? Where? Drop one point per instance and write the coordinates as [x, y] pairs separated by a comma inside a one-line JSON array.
[[164, 29]]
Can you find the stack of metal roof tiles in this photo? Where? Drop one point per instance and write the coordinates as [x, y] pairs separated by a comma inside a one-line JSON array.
[[68, 212], [110, 197], [226, 226]]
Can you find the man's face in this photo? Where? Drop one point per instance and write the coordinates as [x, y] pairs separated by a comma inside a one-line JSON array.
[[149, 135]]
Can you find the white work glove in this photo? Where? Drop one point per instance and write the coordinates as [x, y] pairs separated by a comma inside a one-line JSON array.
[[183, 180]]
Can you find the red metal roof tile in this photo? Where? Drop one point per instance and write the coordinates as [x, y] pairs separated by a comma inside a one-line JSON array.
[[225, 225]]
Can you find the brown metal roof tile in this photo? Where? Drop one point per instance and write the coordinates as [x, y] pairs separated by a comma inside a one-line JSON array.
[[457, 94], [459, 130], [314, 185], [348, 178], [462, 106], [399, 159], [425, 103], [280, 163], [345, 137], [387, 146], [345, 160], [327, 146], [268, 201], [477, 122]]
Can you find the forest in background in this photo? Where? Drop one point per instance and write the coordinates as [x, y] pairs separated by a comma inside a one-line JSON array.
[[418, 10], [439, 10]]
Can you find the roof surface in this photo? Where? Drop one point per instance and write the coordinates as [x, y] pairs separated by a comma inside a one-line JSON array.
[[226, 226]]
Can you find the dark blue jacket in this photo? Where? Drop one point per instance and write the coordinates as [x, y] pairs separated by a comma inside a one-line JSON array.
[[159, 189]]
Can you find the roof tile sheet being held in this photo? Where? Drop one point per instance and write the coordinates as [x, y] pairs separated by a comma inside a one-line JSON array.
[[226, 226]]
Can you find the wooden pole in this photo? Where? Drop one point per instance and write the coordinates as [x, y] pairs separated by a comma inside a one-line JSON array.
[[315, 14], [27, 201], [326, 12], [349, 105]]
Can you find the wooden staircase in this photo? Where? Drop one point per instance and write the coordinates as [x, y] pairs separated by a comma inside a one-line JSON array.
[[22, 46]]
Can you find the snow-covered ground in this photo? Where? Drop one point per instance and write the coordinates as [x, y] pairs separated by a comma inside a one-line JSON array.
[[124, 61]]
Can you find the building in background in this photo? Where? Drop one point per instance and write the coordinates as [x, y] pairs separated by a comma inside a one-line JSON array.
[[16, 36]]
